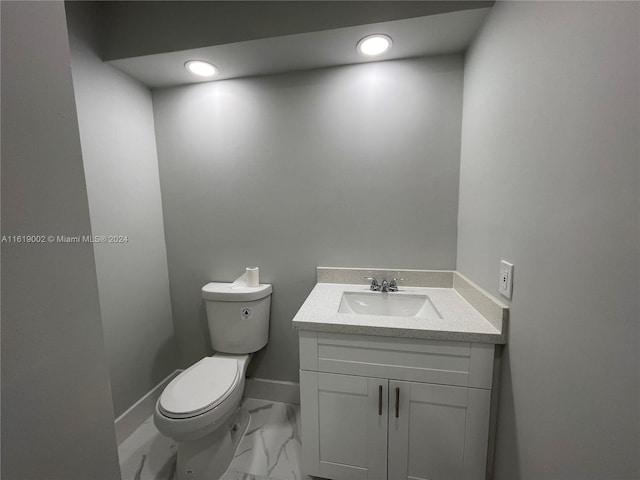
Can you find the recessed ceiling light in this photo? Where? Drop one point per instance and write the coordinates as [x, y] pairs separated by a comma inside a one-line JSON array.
[[200, 68], [373, 45]]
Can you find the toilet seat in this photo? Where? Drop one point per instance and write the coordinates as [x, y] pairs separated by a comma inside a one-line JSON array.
[[201, 387]]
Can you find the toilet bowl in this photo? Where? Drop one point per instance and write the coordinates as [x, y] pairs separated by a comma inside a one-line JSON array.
[[202, 397], [200, 408]]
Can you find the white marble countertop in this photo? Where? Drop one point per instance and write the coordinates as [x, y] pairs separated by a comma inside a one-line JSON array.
[[460, 321]]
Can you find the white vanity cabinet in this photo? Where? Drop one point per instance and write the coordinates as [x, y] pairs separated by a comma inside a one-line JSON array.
[[394, 408]]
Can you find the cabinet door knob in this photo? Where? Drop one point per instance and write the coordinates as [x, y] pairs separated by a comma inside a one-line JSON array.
[[380, 400], [397, 401]]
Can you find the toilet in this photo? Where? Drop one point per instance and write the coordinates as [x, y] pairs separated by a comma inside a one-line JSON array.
[[200, 408]]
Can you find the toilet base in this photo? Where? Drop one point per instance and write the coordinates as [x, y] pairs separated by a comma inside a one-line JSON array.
[[208, 458]]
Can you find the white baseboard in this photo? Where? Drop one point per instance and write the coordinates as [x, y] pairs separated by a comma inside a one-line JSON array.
[[141, 410], [273, 390]]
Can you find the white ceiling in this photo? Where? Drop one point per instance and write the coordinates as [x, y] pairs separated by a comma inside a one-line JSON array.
[[430, 35]]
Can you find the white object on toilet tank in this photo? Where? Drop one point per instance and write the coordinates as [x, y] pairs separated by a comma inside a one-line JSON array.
[[238, 318], [253, 276], [250, 278]]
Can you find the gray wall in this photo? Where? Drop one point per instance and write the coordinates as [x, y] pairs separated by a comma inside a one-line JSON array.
[[550, 181], [57, 418], [115, 116], [349, 166]]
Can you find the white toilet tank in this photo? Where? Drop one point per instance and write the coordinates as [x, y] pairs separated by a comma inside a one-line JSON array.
[[238, 317]]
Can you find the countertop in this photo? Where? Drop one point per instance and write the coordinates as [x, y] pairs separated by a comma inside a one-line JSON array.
[[460, 320]]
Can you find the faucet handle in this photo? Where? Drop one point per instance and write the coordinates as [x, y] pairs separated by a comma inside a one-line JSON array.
[[393, 285], [374, 284]]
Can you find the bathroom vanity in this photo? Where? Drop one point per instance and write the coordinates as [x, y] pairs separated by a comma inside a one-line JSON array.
[[398, 385]]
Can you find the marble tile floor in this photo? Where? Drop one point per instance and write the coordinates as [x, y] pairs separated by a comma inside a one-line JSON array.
[[270, 450]]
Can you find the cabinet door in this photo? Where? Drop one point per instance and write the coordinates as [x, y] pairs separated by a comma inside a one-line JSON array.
[[344, 426], [440, 432]]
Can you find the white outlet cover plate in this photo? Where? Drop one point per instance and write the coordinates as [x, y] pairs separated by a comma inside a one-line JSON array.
[[505, 285]]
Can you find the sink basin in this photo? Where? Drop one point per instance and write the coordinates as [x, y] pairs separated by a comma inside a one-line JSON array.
[[387, 304]]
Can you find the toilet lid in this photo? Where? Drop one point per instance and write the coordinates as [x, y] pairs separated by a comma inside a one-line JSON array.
[[200, 388]]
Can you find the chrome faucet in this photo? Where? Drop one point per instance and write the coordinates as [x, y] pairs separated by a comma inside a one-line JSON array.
[[385, 286]]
